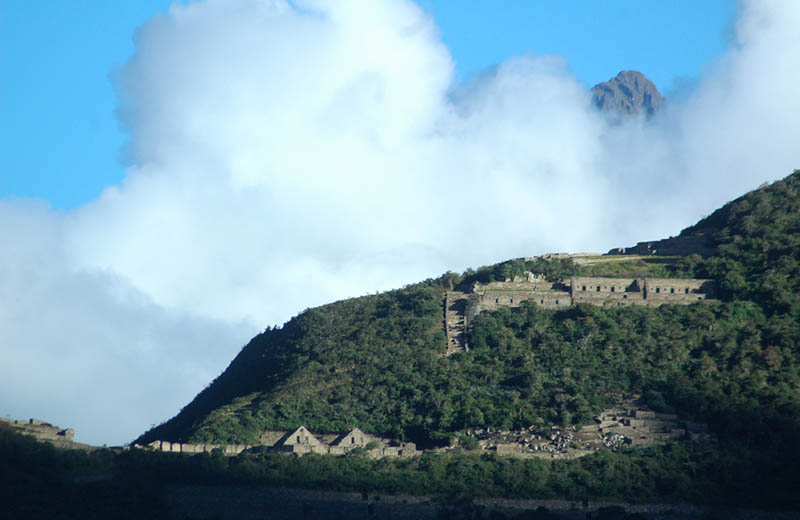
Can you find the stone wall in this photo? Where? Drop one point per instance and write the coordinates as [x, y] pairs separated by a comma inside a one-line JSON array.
[[591, 286], [286, 442], [491, 296], [523, 285], [607, 291], [678, 291], [601, 291], [651, 292], [640, 427], [628, 425], [674, 246], [43, 431], [492, 300], [184, 447]]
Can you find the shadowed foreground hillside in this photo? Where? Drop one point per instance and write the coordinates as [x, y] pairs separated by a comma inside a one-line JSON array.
[[376, 362], [40, 481]]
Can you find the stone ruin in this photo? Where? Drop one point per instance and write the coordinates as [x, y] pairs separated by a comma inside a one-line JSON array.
[[651, 292], [300, 442], [41, 430], [627, 425], [613, 429], [461, 307], [674, 246], [533, 441], [641, 427], [601, 291]]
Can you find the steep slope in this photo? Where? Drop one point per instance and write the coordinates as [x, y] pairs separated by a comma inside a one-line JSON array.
[[757, 241], [629, 93], [337, 366], [377, 362]]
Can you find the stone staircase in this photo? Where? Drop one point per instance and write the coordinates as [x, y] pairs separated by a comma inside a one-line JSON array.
[[455, 321]]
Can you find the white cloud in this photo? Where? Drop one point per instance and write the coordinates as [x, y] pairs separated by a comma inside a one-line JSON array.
[[285, 156], [85, 348]]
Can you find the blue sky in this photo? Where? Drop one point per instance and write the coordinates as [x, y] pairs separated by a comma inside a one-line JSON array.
[[60, 140]]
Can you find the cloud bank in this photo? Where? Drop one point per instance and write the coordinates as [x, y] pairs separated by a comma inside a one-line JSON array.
[[286, 155]]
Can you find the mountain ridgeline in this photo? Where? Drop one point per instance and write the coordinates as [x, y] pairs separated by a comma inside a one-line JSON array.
[[628, 93], [376, 362]]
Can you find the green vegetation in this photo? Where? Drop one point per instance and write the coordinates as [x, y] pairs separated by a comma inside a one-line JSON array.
[[375, 362], [637, 267], [758, 248], [708, 361], [371, 362], [526, 366], [554, 270], [38, 481]]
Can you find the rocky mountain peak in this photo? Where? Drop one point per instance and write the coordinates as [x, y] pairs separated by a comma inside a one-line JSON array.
[[629, 93]]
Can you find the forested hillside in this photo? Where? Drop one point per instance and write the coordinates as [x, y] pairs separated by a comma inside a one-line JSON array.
[[375, 362]]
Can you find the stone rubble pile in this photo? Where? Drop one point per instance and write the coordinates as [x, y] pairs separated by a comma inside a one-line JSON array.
[[614, 441], [628, 425], [530, 440]]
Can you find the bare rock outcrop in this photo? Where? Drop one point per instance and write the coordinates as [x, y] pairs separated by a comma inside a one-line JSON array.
[[629, 93]]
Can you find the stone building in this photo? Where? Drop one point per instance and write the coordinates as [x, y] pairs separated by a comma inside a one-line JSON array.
[[355, 438], [400, 449], [460, 308], [300, 441], [601, 291], [491, 296], [681, 291], [651, 292]]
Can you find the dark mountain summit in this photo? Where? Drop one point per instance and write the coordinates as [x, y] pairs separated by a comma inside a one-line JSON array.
[[630, 93]]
